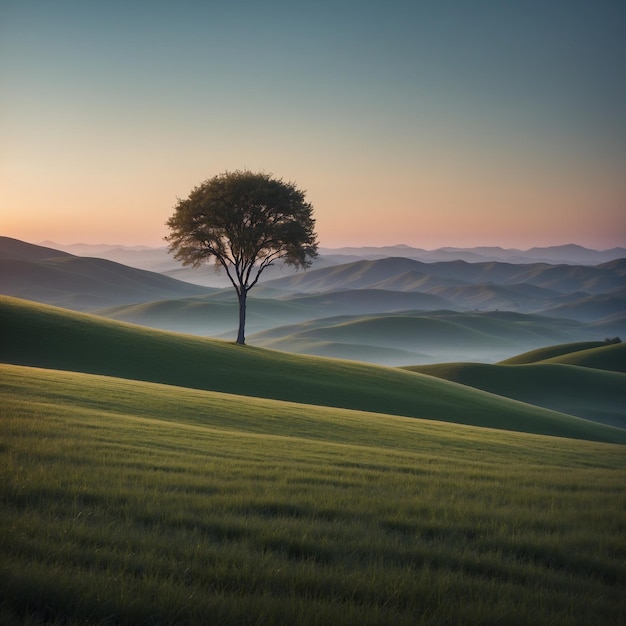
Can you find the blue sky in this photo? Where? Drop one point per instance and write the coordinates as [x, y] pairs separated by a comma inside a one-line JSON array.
[[425, 123]]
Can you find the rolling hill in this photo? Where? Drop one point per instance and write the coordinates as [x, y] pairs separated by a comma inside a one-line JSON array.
[[423, 336], [372, 274], [542, 354], [216, 314], [587, 392], [488, 296], [607, 357], [587, 379], [597, 354], [148, 475], [45, 275], [366, 301], [586, 293], [590, 308], [48, 337], [12, 249]]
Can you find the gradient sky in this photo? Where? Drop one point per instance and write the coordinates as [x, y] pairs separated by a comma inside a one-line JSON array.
[[428, 123]]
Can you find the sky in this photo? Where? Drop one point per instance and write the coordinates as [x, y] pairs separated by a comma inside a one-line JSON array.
[[425, 122]]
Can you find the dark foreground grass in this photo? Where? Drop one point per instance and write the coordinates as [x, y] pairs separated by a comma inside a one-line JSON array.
[[134, 503]]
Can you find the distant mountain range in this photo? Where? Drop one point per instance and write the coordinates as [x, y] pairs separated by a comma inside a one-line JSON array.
[[159, 260], [402, 274], [570, 254]]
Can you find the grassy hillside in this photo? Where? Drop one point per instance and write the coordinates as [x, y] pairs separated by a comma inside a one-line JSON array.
[[548, 352], [43, 275], [583, 391], [134, 503], [44, 336], [607, 357], [596, 354]]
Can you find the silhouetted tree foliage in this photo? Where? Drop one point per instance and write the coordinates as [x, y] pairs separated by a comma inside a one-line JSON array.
[[244, 222], [612, 340]]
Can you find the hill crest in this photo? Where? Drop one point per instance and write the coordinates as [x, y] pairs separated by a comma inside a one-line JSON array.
[[80, 283]]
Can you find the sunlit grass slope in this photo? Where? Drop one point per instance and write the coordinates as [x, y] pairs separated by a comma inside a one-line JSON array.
[[590, 393], [609, 357], [548, 352], [133, 503], [596, 354], [45, 336]]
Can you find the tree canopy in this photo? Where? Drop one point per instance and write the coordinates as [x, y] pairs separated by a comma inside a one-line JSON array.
[[244, 222]]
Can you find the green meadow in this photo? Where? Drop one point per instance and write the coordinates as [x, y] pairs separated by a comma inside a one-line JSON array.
[[155, 478]]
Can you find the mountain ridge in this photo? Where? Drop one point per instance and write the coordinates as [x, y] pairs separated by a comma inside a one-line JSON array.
[[80, 283], [565, 253]]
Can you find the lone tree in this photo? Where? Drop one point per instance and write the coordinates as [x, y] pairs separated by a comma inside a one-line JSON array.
[[245, 222]]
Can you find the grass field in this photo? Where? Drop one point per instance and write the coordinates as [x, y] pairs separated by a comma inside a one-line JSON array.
[[127, 502]]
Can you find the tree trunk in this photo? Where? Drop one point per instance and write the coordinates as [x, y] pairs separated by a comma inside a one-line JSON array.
[[243, 294]]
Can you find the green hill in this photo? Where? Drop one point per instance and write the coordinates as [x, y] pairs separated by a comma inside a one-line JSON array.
[[583, 391], [595, 354], [548, 352], [43, 336], [606, 357]]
